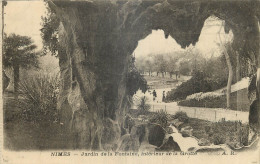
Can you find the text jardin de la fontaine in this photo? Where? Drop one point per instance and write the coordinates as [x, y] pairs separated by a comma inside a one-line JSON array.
[[132, 153]]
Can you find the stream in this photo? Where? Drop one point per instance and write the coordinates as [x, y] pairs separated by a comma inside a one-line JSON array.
[[185, 143]]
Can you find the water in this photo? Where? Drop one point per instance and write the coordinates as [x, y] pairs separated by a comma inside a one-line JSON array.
[[185, 143]]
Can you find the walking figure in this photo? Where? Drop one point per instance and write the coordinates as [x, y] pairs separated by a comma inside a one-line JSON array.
[[154, 95], [163, 97]]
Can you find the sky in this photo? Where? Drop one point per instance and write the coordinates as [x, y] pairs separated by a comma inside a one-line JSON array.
[[24, 18], [207, 44]]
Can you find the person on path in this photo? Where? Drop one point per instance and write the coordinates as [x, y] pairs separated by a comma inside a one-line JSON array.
[[163, 97], [154, 95]]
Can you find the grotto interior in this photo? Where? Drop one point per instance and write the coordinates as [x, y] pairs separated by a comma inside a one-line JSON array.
[[97, 38]]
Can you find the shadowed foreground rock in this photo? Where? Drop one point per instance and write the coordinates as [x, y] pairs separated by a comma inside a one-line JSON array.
[[143, 137], [170, 145], [97, 38]]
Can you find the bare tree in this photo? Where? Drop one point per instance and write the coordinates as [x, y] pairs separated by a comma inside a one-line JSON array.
[[230, 69]]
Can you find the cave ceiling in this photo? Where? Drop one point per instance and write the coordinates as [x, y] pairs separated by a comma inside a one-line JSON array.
[[181, 19]]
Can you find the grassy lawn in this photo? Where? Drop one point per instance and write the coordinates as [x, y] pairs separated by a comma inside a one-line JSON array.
[[158, 82]]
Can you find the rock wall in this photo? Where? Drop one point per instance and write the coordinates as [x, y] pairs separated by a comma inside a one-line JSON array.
[[97, 38]]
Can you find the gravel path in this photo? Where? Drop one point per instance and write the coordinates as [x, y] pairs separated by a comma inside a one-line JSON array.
[[209, 114]]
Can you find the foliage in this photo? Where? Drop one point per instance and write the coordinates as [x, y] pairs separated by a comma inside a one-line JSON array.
[[210, 102], [185, 68], [243, 133], [218, 101], [172, 65], [140, 64], [207, 129], [209, 74], [182, 116], [142, 106], [39, 98], [49, 32], [19, 50], [209, 79], [135, 80], [219, 139], [149, 66], [227, 131], [233, 133], [160, 117], [208, 95], [129, 122], [159, 63], [196, 84], [216, 72], [237, 59]]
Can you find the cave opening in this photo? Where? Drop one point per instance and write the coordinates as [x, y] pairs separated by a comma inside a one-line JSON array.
[[161, 57], [211, 55]]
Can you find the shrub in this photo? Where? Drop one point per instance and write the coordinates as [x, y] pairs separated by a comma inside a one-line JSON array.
[[129, 122], [161, 117], [184, 68], [228, 132], [216, 100], [219, 139], [200, 96], [243, 135], [142, 106], [207, 129], [135, 81], [233, 133], [182, 116], [197, 83], [38, 98]]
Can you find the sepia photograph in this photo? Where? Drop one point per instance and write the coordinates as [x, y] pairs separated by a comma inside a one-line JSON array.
[[153, 80]]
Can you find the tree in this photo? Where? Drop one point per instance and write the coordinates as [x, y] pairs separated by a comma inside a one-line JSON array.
[[19, 52], [185, 67], [230, 69], [49, 33], [140, 65], [149, 66], [172, 66], [160, 63]]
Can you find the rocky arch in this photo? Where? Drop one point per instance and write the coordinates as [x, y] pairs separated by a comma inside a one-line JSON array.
[[98, 37]]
